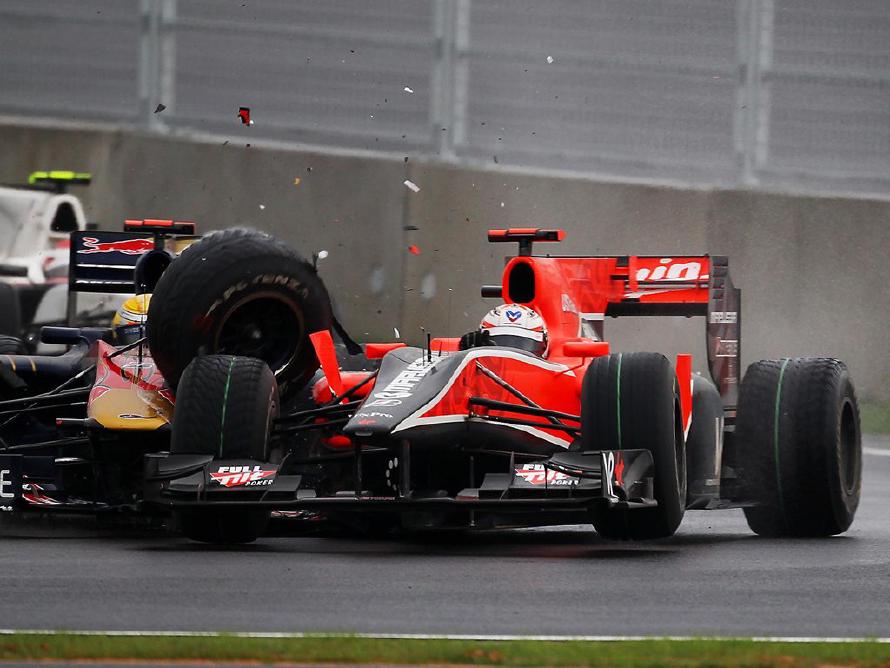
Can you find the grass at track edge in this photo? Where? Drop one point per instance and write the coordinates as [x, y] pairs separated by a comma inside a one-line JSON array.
[[875, 417], [695, 653]]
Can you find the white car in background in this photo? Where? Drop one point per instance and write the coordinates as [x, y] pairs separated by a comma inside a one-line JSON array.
[[35, 222]]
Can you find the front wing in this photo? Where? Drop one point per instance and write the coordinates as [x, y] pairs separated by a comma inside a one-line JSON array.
[[565, 481]]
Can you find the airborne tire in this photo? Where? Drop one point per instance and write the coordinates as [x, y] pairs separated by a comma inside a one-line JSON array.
[[631, 401], [224, 407], [799, 446], [239, 292]]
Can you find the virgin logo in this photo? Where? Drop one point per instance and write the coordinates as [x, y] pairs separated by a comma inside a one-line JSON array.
[[669, 270]]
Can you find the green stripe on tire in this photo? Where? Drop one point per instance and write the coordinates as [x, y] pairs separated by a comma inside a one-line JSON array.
[[776, 417], [222, 422]]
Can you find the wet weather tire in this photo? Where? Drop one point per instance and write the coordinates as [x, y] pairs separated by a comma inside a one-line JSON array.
[[224, 407], [799, 447], [239, 292], [704, 444], [630, 401]]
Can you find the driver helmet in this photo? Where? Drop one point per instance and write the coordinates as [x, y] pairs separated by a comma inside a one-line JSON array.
[[128, 324], [516, 326]]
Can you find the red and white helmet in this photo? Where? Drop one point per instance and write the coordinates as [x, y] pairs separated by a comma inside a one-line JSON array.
[[516, 326]]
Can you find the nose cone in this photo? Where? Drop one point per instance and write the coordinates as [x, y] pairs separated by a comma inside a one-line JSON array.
[[408, 380]]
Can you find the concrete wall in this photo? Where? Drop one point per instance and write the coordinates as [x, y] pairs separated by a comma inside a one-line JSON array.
[[813, 270]]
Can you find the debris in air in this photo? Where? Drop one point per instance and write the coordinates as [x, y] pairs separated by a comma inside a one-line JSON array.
[[396, 330], [407, 89], [549, 60], [410, 228], [160, 108], [414, 250], [297, 181], [322, 254], [262, 207], [412, 186], [244, 115]]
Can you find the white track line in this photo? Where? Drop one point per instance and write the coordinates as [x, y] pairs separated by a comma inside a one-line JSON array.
[[435, 636], [882, 452]]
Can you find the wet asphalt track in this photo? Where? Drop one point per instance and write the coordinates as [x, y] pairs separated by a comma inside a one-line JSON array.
[[713, 577]]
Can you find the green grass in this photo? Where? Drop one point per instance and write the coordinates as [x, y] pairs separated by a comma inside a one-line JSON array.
[[699, 653], [875, 417]]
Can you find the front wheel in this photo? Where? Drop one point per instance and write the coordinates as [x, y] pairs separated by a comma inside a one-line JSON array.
[[799, 447], [630, 401], [225, 406]]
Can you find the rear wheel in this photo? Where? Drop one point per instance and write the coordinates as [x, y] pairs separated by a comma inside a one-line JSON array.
[[799, 447], [224, 407], [630, 401]]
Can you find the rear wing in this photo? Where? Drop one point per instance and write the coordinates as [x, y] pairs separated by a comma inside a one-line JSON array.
[[102, 261], [689, 286], [105, 261], [575, 294]]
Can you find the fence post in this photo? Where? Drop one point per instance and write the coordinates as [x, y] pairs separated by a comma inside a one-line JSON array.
[[754, 19], [157, 60], [167, 61], [442, 79]]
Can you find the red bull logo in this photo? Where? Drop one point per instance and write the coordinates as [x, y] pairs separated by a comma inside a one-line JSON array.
[[125, 246]]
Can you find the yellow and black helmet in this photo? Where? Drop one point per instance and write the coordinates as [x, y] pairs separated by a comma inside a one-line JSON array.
[[128, 323]]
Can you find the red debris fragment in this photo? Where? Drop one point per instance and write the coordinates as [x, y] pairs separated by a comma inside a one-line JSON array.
[[413, 249]]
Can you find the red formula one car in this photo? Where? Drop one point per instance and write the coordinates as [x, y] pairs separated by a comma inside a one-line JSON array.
[[458, 433]]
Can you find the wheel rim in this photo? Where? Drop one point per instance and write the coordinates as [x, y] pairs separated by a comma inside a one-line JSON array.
[[265, 326], [849, 453]]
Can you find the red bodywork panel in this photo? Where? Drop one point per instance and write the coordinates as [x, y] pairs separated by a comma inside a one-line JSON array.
[[321, 390], [563, 289], [549, 385]]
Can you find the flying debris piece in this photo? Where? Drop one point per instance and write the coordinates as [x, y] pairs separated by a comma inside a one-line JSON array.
[[322, 254], [414, 250], [410, 228], [262, 207], [502, 205], [160, 108], [412, 186], [549, 60], [396, 330], [407, 89], [244, 115], [251, 122], [297, 181]]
